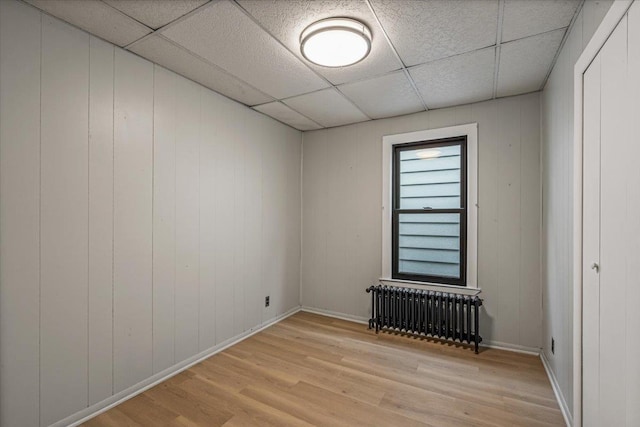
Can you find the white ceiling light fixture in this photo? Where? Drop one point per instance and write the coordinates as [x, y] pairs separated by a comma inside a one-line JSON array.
[[336, 42]]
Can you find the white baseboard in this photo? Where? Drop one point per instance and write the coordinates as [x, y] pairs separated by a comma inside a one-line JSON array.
[[103, 406], [564, 408], [516, 348], [335, 314]]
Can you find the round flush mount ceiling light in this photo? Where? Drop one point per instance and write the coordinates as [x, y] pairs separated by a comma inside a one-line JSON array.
[[335, 42]]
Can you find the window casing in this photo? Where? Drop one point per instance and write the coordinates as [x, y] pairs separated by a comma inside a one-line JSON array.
[[429, 214], [470, 131]]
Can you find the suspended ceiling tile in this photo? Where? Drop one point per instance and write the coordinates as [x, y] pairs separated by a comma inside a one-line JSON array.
[[175, 58], [385, 96], [457, 80], [286, 19], [424, 31], [156, 13], [222, 34], [286, 115], [523, 18], [95, 17], [327, 107], [524, 63]]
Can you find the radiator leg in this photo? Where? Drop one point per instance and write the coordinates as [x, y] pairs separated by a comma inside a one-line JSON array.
[[439, 315], [477, 322], [432, 313], [469, 320], [447, 325], [373, 307], [382, 310], [401, 318], [460, 318], [371, 289], [377, 291]]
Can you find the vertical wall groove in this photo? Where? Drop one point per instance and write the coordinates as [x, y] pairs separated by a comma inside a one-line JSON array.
[[175, 181], [40, 235], [199, 210], [88, 224], [113, 215], [153, 163]]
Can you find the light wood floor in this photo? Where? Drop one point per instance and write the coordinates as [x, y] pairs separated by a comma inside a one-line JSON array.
[[315, 370]]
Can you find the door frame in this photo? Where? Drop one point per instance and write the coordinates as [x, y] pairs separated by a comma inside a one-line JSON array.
[[617, 11]]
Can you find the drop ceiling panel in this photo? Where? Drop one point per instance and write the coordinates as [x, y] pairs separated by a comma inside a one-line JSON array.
[[523, 18], [424, 31], [167, 54], [524, 63], [457, 80], [327, 107], [155, 13], [248, 50], [283, 113], [222, 34], [286, 19], [95, 17], [386, 96]]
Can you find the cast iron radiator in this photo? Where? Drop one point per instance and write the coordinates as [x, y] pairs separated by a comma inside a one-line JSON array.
[[436, 314]]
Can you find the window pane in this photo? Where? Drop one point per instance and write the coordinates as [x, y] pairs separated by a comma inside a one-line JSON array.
[[430, 177], [429, 244]]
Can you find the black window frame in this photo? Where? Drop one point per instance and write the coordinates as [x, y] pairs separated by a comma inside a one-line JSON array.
[[462, 210]]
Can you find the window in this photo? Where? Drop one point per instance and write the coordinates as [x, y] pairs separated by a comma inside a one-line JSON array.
[[430, 207], [429, 211]]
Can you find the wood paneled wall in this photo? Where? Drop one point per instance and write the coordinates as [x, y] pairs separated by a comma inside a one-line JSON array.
[[342, 217], [143, 218]]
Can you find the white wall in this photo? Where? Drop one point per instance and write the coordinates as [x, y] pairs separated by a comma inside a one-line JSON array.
[[557, 182], [143, 218], [342, 200]]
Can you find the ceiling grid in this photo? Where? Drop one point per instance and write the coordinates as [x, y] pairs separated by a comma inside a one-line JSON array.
[[424, 55], [498, 43], [395, 51]]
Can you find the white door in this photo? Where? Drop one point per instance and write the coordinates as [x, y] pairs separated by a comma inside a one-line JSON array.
[[611, 230]]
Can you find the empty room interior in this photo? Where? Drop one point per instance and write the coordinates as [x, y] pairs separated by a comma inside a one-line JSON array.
[[319, 213]]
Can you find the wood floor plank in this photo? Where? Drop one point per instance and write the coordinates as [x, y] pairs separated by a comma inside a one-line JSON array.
[[144, 411], [316, 370], [112, 418], [241, 405]]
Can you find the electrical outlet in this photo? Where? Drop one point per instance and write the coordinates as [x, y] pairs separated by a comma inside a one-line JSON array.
[[553, 346], [266, 301]]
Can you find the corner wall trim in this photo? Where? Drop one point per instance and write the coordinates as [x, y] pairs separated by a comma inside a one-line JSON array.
[[120, 397], [568, 419]]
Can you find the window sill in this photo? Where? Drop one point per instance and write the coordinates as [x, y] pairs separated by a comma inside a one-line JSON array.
[[432, 286]]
